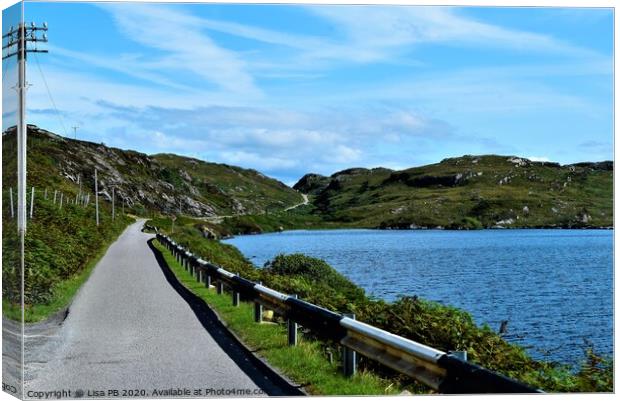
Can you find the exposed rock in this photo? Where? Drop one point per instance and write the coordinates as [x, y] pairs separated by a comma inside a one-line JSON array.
[[185, 176], [208, 233], [398, 210], [504, 181], [519, 162], [585, 218]]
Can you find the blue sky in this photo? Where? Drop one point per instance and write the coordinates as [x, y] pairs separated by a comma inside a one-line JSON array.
[[294, 89]]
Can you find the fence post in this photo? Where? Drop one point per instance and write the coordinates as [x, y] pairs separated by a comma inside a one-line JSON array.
[[31, 203], [55, 193], [236, 296], [349, 357], [12, 209], [220, 287], [258, 309], [45, 194], [292, 329], [61, 196], [208, 281], [199, 275], [96, 197]]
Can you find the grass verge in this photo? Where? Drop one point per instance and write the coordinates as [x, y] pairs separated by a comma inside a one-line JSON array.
[[63, 293], [305, 363]]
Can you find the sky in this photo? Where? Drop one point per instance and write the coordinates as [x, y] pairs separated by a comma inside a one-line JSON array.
[[293, 89]]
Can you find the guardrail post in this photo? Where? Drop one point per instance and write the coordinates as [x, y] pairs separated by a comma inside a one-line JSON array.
[[292, 329], [236, 296], [199, 275], [258, 310], [349, 357], [208, 281], [220, 287]]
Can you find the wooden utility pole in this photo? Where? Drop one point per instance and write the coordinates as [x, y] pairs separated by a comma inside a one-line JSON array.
[[75, 128]]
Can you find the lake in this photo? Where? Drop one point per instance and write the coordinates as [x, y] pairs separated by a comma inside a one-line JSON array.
[[555, 287]]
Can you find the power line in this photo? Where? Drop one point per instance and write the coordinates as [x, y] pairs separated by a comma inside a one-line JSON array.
[[49, 93]]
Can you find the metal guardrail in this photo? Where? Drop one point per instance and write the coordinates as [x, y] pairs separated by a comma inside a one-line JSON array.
[[439, 370]]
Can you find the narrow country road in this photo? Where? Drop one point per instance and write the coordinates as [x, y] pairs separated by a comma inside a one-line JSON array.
[[303, 203], [130, 329], [219, 219]]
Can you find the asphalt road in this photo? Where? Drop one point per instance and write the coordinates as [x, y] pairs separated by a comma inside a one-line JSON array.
[[129, 330]]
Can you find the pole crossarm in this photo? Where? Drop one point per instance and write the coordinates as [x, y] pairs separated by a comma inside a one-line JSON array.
[[23, 35]]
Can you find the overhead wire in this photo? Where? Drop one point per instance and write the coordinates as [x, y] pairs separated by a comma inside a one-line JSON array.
[[49, 93]]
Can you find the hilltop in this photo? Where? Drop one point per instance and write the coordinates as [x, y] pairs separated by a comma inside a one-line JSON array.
[[487, 191], [165, 183]]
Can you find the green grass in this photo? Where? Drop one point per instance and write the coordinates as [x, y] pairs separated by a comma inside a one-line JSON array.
[[305, 363], [63, 292]]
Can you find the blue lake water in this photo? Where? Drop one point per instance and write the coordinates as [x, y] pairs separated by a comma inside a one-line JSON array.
[[555, 287]]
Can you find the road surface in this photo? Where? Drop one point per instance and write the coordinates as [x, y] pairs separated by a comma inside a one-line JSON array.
[[130, 330], [303, 203], [219, 219]]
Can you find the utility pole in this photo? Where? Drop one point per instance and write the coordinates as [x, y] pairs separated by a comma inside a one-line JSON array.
[[19, 42], [75, 128], [96, 197]]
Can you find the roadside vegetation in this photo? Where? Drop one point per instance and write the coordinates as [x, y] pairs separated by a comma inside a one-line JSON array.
[[61, 248], [430, 323]]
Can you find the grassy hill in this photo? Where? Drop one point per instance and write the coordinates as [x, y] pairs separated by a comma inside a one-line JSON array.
[[63, 241], [467, 192], [163, 183]]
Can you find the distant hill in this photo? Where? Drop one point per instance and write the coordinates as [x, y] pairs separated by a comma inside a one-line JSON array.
[[468, 192], [165, 183]]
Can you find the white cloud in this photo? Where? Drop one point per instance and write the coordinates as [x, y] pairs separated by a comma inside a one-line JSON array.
[[376, 32], [187, 49]]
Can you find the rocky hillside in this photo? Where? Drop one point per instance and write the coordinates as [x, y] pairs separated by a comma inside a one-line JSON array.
[[468, 192], [165, 183]]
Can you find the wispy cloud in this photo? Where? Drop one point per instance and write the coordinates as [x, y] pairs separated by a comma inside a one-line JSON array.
[[185, 48], [377, 32], [285, 143], [352, 87]]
